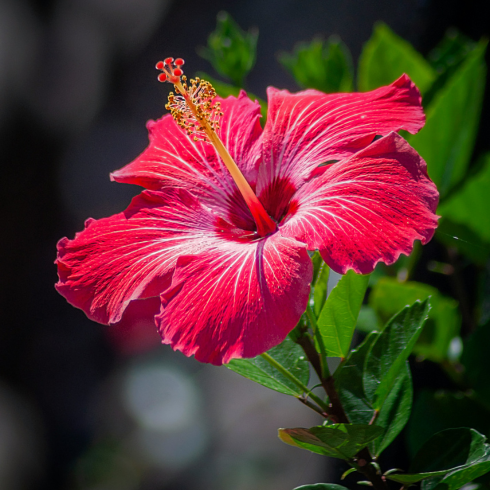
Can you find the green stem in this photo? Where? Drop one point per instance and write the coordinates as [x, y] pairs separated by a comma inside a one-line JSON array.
[[318, 337], [295, 380]]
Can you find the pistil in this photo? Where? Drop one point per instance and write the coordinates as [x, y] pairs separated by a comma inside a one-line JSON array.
[[199, 115]]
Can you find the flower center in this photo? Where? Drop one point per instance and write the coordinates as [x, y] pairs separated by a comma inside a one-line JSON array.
[[194, 110]]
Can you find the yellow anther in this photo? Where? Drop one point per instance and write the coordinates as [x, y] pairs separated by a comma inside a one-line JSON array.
[[195, 104]]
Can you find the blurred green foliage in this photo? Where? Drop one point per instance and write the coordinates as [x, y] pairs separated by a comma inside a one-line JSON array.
[[385, 57], [230, 49], [325, 66], [447, 140]]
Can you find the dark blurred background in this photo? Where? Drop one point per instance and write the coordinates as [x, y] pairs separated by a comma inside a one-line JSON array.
[[80, 406]]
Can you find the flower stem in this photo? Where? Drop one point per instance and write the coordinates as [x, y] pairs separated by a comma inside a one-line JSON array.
[[295, 380]]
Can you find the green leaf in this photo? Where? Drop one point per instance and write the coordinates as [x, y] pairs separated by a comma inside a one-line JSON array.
[[389, 296], [321, 486], [225, 89], [230, 49], [446, 142], [469, 206], [338, 317], [395, 411], [349, 383], [391, 349], [457, 478], [476, 361], [320, 286], [338, 441], [326, 66], [289, 355], [318, 262], [446, 451], [386, 56]]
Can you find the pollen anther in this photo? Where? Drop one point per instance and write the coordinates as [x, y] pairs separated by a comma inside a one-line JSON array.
[[193, 108]]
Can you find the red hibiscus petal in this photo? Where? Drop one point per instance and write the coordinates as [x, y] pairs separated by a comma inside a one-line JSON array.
[[367, 208], [307, 129], [174, 159], [236, 301], [130, 255]]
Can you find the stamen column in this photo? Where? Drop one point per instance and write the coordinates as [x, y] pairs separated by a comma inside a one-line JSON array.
[[202, 114]]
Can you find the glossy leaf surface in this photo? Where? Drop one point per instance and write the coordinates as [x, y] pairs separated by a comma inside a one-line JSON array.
[[395, 411], [289, 355], [339, 314], [339, 441], [349, 383], [391, 349], [457, 478], [449, 450]]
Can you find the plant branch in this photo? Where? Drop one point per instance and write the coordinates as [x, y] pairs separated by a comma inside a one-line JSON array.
[[336, 413], [313, 358], [335, 410], [364, 466], [314, 407]]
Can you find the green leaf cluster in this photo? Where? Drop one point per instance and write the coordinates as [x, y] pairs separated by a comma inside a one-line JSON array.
[[374, 382], [231, 50], [325, 66], [447, 140], [386, 56]]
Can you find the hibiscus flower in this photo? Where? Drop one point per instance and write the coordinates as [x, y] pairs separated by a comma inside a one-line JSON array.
[[217, 254]]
